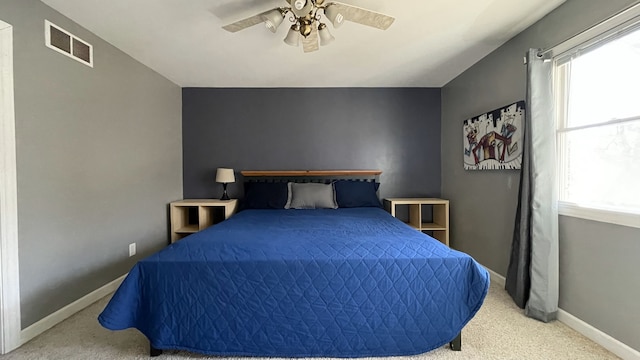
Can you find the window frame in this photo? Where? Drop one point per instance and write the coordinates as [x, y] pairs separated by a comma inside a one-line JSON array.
[[561, 76]]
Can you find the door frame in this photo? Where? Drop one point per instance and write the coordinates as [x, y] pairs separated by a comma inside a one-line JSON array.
[[9, 267]]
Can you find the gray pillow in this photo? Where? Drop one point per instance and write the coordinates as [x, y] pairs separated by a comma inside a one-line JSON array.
[[311, 196]]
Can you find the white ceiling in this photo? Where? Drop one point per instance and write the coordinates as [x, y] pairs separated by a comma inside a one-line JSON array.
[[429, 44]]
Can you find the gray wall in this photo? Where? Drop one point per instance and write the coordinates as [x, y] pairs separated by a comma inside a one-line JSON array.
[[99, 157], [396, 130], [599, 269]]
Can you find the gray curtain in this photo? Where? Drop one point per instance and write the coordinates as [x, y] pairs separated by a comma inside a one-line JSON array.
[[532, 276]]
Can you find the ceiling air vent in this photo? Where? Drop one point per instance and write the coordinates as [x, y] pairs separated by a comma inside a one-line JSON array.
[[68, 44]]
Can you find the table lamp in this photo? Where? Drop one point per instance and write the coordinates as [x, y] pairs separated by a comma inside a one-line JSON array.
[[225, 176]]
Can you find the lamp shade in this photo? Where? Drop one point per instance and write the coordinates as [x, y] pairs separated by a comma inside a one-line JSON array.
[[333, 14], [224, 175]]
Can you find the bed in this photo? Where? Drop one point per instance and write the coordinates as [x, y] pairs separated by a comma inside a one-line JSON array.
[[345, 282]]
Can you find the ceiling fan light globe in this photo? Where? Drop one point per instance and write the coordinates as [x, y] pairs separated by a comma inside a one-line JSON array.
[[273, 19], [299, 4], [325, 36], [269, 26], [333, 14], [302, 8], [293, 36]]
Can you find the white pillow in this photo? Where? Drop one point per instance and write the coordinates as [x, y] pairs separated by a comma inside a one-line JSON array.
[[311, 196]]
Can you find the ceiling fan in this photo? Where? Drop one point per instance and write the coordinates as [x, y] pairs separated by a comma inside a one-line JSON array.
[[307, 17]]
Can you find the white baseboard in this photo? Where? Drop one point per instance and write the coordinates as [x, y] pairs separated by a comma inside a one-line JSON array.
[[53, 319], [622, 350], [496, 278], [617, 347]]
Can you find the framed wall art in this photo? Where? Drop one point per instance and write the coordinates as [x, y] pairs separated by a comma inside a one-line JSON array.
[[493, 141]]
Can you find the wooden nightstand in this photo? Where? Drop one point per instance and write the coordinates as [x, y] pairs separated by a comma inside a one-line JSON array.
[[439, 225], [191, 216]]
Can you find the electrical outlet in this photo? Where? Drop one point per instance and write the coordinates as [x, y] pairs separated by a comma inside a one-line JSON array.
[[132, 249]]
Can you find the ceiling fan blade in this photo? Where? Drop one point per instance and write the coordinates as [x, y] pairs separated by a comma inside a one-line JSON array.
[[310, 43], [245, 23], [364, 16]]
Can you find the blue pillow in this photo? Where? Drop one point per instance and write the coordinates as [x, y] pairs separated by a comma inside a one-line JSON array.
[[357, 194], [265, 195]]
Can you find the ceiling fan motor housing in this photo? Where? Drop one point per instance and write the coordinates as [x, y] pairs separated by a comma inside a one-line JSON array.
[[305, 27]]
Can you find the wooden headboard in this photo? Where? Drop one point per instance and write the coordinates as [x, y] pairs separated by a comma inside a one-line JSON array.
[[310, 175]]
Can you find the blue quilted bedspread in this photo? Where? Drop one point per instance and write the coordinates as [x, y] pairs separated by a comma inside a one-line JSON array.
[[292, 283]]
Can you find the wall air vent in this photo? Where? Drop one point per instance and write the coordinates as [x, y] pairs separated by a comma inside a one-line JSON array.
[[68, 44]]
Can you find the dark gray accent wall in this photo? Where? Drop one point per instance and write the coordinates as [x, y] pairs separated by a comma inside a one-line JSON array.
[[599, 280], [396, 130], [99, 157]]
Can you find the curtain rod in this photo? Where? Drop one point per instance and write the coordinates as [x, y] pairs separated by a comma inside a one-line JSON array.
[[597, 32]]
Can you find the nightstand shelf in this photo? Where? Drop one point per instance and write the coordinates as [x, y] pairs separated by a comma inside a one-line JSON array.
[[439, 224], [188, 229], [191, 216], [432, 226]]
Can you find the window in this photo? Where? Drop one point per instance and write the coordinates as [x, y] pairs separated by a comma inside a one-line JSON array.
[[65, 43], [598, 117]]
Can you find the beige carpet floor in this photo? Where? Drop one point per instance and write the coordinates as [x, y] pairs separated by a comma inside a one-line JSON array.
[[498, 331]]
